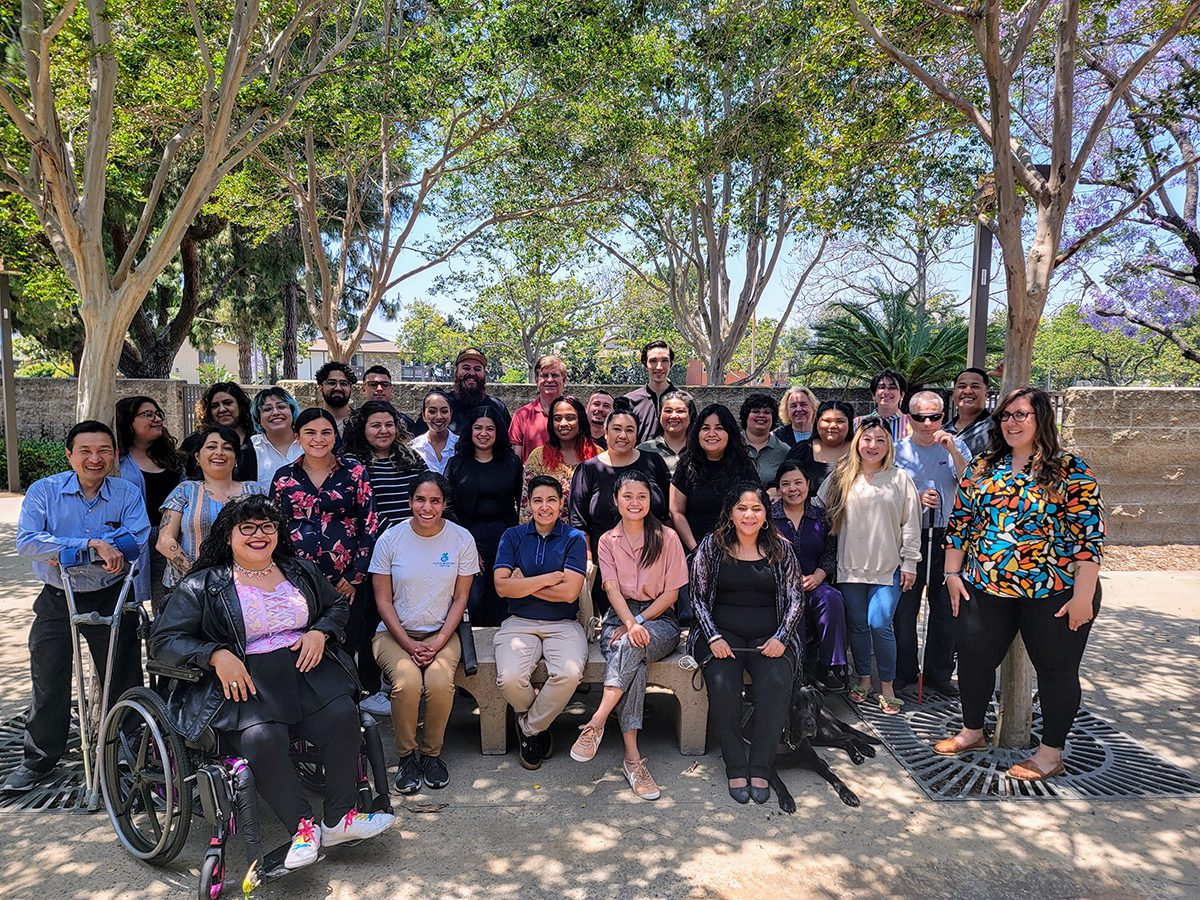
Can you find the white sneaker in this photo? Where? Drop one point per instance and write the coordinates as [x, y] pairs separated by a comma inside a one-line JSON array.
[[356, 826], [305, 844], [378, 704]]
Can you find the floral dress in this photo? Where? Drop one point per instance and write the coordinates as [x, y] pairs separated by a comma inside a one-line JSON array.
[[333, 525]]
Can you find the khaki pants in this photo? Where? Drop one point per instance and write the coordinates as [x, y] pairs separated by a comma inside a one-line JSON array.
[[519, 645], [410, 683]]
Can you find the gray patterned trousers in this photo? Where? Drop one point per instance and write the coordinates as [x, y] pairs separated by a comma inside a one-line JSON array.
[[626, 664]]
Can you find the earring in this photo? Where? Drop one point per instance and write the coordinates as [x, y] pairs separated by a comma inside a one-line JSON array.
[[765, 526]]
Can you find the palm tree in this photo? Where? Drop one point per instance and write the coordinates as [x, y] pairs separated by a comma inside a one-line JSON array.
[[853, 341]]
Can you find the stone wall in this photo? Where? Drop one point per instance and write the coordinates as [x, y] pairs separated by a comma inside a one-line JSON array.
[[1144, 446], [410, 393], [46, 406]]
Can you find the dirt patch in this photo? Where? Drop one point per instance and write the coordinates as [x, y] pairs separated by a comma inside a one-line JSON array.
[[1160, 558]]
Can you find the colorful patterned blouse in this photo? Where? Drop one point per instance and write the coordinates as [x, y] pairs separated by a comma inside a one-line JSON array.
[[335, 525], [1021, 540], [536, 465], [197, 510]]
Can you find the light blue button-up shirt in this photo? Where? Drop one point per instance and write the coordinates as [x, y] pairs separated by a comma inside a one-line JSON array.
[[57, 516]]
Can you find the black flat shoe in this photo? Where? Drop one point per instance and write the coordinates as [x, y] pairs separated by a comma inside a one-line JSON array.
[[760, 795], [740, 794]]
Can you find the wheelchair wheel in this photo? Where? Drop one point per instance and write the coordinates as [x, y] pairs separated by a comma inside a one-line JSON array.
[[307, 760], [212, 877], [144, 777]]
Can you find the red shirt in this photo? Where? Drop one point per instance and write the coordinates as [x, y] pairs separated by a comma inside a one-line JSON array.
[[529, 428]]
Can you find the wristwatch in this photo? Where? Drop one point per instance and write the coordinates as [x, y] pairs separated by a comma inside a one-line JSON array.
[[640, 619]]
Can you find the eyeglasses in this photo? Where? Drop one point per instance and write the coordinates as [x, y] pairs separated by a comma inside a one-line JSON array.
[[249, 529], [335, 382], [925, 417], [150, 415], [377, 385], [1015, 416]]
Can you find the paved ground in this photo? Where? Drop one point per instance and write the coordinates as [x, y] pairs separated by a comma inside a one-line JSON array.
[[572, 830]]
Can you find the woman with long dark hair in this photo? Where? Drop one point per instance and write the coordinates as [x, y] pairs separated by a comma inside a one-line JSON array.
[[803, 524], [423, 570], [485, 479], [258, 622], [715, 460], [873, 509], [225, 403], [1023, 551], [189, 512], [642, 568], [567, 445], [829, 444], [149, 460], [438, 443], [748, 602]]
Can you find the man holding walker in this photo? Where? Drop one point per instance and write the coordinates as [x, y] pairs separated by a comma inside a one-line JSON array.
[[82, 510], [935, 460]]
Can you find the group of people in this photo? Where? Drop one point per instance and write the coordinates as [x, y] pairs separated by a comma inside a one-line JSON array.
[[306, 559]]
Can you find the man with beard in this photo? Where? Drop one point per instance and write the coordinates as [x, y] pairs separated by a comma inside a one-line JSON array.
[[335, 380], [599, 405], [971, 422], [470, 379]]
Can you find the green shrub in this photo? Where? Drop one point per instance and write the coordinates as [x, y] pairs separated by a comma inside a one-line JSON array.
[[37, 459]]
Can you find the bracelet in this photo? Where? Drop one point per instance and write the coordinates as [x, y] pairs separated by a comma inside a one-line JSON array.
[[715, 638], [947, 575]]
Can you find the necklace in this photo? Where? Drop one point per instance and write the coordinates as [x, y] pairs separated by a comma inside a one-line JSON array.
[[253, 573]]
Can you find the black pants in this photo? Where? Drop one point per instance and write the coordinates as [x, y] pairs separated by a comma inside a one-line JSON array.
[[52, 670], [360, 631], [986, 626], [772, 680], [334, 731], [939, 634]]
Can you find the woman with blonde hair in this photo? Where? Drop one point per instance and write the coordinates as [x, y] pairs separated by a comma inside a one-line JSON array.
[[874, 510], [797, 411]]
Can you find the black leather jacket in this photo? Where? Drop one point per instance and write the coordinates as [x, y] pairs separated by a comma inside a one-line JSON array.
[[203, 615]]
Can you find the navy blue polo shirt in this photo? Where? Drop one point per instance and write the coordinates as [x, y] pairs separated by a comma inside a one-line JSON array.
[[563, 550]]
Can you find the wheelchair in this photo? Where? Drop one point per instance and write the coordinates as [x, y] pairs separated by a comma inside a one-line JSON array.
[[154, 782]]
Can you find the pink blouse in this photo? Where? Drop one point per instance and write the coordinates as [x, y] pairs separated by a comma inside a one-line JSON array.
[[274, 618]]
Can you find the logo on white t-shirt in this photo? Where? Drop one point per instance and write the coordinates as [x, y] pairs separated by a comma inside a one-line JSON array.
[[444, 562]]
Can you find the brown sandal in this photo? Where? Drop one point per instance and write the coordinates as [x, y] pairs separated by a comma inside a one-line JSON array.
[[1029, 771], [950, 747]]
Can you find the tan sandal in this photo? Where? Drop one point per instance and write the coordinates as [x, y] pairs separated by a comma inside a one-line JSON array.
[[890, 705], [1029, 771]]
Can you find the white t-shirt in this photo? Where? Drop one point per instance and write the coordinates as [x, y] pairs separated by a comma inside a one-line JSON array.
[[424, 570]]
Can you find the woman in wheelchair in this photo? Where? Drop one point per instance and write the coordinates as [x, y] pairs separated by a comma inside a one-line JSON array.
[[748, 596], [264, 627]]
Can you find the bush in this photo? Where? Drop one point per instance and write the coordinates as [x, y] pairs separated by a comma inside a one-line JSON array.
[[38, 459]]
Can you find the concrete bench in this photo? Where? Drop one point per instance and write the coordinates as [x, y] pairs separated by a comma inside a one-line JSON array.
[[493, 709]]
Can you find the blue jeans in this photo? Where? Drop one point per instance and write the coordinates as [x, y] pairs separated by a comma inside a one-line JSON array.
[[870, 609]]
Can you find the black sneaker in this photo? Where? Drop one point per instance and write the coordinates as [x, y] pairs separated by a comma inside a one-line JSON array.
[[545, 744], [21, 780], [434, 772], [947, 688], [528, 748], [408, 776]]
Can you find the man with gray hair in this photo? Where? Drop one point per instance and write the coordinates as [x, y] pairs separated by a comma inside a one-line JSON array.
[[936, 461]]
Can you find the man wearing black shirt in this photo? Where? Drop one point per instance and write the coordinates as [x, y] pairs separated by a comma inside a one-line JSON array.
[[658, 358]]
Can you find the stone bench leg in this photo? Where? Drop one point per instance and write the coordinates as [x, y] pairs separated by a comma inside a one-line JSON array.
[[493, 713], [693, 723]]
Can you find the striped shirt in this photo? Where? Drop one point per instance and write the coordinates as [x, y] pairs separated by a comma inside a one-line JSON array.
[[393, 491]]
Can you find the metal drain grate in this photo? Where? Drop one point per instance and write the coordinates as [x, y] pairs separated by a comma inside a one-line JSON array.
[[62, 792], [1101, 763]]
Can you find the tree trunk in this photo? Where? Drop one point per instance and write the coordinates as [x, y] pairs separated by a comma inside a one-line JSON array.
[[104, 336], [245, 356], [291, 338]]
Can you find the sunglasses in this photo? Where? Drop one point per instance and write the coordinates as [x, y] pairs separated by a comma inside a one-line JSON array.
[[249, 529], [925, 417]]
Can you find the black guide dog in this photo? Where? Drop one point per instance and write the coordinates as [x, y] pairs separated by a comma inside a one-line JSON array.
[[810, 726]]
